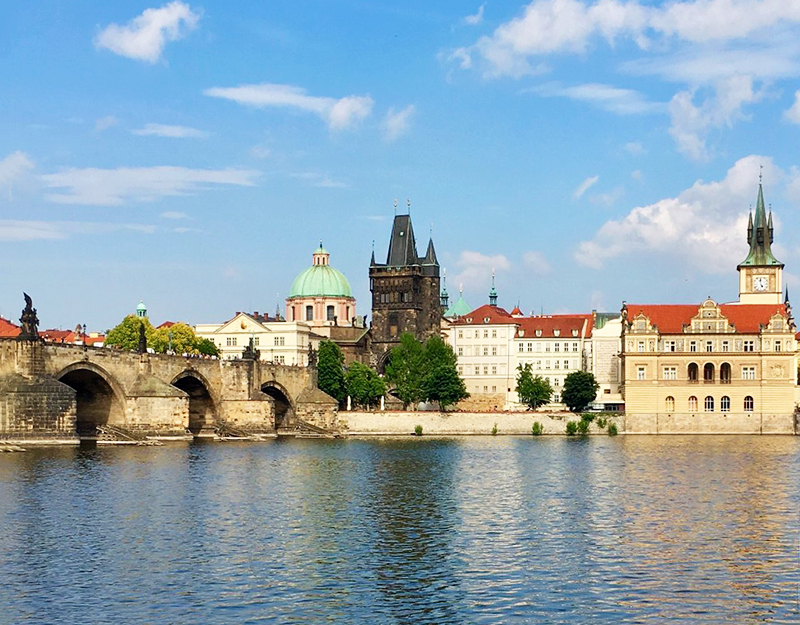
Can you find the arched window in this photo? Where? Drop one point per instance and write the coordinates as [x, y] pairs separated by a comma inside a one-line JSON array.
[[329, 313], [708, 372], [748, 404], [693, 404], [709, 404], [692, 372], [725, 404], [725, 373], [670, 404], [309, 313]]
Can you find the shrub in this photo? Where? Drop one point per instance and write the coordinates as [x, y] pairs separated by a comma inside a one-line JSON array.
[[601, 422], [572, 428], [537, 429], [418, 430], [583, 426], [494, 430], [612, 429], [587, 416]]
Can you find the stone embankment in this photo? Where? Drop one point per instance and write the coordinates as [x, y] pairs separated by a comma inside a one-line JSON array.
[[390, 423]]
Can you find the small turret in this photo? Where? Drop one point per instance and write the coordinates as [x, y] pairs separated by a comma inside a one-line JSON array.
[[760, 254], [750, 228], [493, 293], [444, 298]]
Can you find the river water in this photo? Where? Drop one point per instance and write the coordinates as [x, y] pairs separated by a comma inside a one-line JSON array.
[[456, 530]]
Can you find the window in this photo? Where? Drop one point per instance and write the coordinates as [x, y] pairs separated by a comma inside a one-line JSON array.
[[708, 372], [725, 404], [556, 365], [749, 345], [709, 346], [556, 381], [494, 389], [709, 404], [485, 351], [726, 346], [693, 404], [574, 347], [555, 347], [670, 373], [494, 351], [460, 351], [230, 341], [522, 347], [281, 360], [461, 334], [309, 313], [748, 404], [566, 364], [547, 347], [640, 346], [748, 373], [485, 370], [640, 373], [494, 369], [329, 313], [777, 346], [477, 370], [538, 347], [486, 334], [294, 318], [280, 340], [691, 372], [669, 346], [530, 347], [485, 389], [494, 333], [692, 346], [460, 370], [556, 398], [670, 404], [546, 364], [725, 373]]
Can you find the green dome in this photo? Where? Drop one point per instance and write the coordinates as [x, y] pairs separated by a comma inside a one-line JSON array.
[[141, 307], [321, 280]]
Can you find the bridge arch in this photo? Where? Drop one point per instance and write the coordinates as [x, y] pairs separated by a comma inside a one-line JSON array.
[[284, 406], [100, 398], [202, 402]]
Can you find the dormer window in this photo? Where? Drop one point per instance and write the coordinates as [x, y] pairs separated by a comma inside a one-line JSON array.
[[556, 332], [538, 333], [574, 333], [486, 319], [469, 319]]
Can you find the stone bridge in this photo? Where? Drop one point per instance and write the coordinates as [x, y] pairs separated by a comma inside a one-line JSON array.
[[54, 391]]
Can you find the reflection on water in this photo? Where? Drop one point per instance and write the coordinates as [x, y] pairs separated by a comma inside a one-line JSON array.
[[460, 530]]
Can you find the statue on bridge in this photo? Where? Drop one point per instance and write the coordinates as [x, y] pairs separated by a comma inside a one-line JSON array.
[[29, 330], [250, 352], [142, 340], [312, 355]]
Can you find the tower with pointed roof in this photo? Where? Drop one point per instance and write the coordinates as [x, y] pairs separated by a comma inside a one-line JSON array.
[[405, 291], [760, 274]]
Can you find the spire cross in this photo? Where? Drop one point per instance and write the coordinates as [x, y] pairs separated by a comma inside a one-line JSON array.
[[760, 173], [408, 205], [395, 207]]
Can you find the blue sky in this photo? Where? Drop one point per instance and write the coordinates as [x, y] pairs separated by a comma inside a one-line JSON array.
[[193, 155]]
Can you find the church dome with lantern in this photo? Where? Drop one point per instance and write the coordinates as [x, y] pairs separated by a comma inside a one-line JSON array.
[[321, 295]]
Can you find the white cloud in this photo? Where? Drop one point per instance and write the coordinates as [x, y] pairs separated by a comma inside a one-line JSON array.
[[338, 114], [144, 37], [607, 97], [397, 123], [793, 113], [568, 26], [704, 225], [474, 20], [584, 186], [15, 231], [536, 262], [104, 123], [691, 123], [176, 132], [174, 215], [635, 148], [320, 180], [112, 187], [475, 269], [13, 168]]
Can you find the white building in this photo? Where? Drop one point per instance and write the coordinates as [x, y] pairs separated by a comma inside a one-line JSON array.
[[281, 342]]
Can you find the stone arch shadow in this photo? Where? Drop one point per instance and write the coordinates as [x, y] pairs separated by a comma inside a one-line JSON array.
[[284, 405], [99, 396], [203, 404]]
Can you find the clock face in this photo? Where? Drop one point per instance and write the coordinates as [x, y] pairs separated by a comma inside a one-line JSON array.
[[760, 283]]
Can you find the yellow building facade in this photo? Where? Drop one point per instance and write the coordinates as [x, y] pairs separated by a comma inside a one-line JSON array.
[[715, 368]]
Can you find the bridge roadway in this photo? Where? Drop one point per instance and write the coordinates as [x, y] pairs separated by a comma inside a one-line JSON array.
[[60, 391]]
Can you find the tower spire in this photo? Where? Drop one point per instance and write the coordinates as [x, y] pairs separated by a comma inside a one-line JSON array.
[[760, 235], [493, 293]]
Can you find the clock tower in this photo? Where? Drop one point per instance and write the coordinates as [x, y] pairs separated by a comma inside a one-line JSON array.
[[760, 274]]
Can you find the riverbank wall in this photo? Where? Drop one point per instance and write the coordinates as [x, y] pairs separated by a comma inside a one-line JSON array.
[[398, 423]]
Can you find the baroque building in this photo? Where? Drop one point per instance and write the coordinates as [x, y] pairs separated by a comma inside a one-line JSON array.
[[713, 367], [405, 292]]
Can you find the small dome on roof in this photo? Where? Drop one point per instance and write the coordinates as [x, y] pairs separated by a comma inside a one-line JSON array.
[[320, 280]]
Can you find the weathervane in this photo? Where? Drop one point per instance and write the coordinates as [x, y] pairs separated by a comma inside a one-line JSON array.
[[760, 173], [408, 205], [395, 207]]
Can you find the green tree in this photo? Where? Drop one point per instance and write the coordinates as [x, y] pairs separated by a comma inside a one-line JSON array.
[[443, 384], [364, 386], [532, 391], [207, 347], [406, 370], [330, 370], [184, 339], [126, 334], [580, 388]]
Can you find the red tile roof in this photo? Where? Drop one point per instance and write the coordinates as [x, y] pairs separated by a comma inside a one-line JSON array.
[[58, 336], [548, 324], [8, 329], [485, 314], [671, 318], [516, 312], [166, 324]]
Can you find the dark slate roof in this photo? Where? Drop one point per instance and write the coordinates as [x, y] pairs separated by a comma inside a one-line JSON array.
[[403, 245]]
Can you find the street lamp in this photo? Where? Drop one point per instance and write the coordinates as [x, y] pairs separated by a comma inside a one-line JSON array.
[[84, 337]]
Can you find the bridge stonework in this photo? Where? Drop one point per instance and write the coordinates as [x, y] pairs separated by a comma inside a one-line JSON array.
[[64, 392]]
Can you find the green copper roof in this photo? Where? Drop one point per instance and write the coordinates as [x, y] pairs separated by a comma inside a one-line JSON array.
[[459, 309], [759, 237], [320, 280], [141, 306]]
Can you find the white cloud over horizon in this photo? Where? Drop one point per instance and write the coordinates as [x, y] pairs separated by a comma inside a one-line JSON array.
[[607, 97], [113, 187], [704, 225], [339, 114], [14, 167], [175, 132], [584, 186], [19, 230], [144, 37], [474, 20], [475, 268]]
